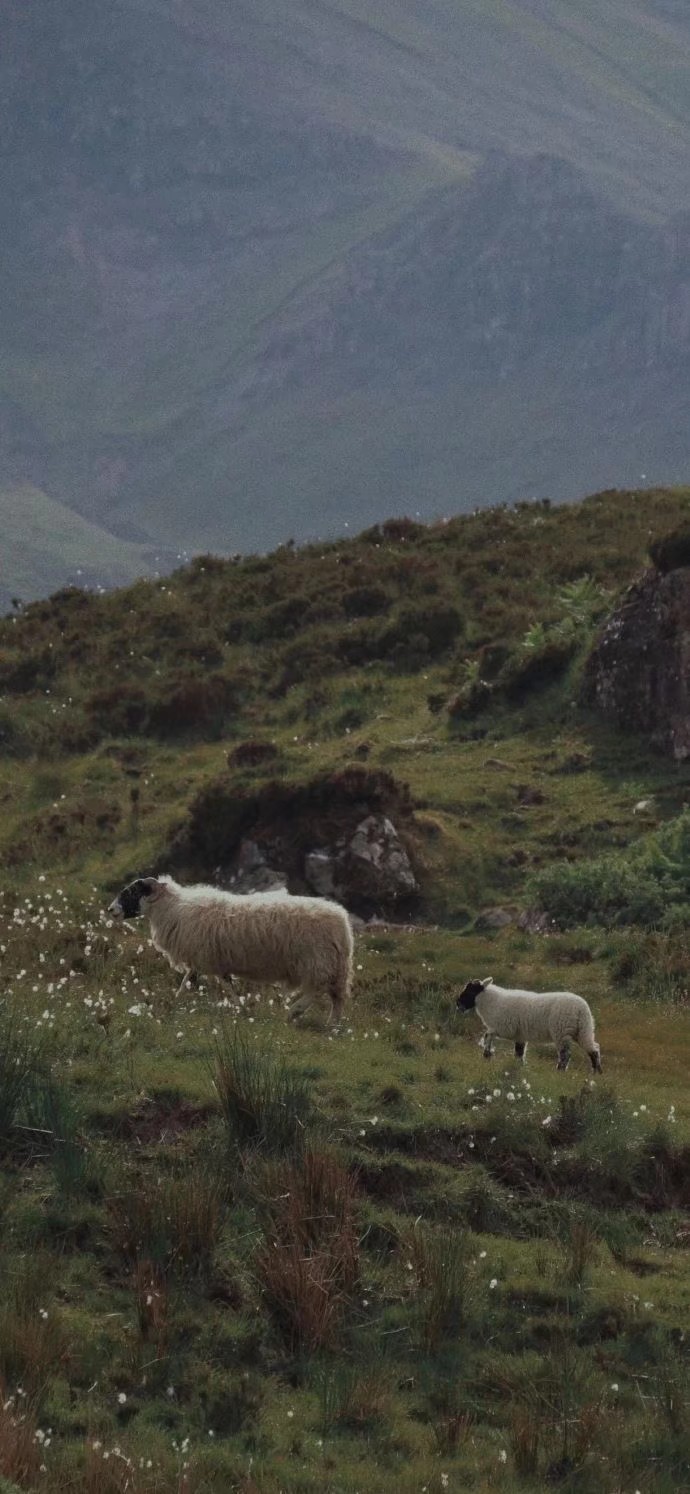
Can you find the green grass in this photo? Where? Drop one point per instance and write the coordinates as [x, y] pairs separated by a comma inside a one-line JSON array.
[[410, 1268]]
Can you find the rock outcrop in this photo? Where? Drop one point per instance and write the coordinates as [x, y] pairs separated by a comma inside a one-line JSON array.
[[367, 871], [341, 835], [638, 673]]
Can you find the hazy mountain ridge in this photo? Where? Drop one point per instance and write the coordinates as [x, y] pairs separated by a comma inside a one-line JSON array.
[[254, 288]]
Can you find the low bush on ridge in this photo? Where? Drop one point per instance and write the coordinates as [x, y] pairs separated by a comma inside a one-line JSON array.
[[648, 886]]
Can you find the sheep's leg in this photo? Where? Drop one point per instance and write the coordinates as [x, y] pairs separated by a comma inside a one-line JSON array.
[[563, 1056], [302, 1003], [595, 1060], [520, 1051], [488, 1045], [187, 975]]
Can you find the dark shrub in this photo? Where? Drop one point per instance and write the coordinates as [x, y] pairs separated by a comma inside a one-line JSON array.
[[409, 640], [365, 601], [393, 529], [672, 551], [536, 668], [119, 710], [470, 701], [195, 702], [305, 660], [440, 624], [19, 674], [608, 892], [248, 754], [493, 657], [281, 618]]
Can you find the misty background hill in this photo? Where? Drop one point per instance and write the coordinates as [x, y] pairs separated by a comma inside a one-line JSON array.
[[275, 269]]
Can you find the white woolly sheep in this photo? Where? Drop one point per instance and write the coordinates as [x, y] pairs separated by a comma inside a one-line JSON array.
[[264, 936], [558, 1016]]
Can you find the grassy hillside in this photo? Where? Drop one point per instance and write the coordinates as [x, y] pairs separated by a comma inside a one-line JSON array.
[[239, 1256]]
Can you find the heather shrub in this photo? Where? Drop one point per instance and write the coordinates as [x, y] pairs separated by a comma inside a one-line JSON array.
[[195, 702], [120, 710], [28, 670], [365, 601], [252, 752]]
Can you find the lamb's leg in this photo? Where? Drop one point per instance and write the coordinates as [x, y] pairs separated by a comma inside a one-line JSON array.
[[520, 1051], [488, 1045], [595, 1059], [563, 1056]]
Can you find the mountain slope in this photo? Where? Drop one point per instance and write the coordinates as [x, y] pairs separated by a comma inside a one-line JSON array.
[[46, 544], [184, 182]]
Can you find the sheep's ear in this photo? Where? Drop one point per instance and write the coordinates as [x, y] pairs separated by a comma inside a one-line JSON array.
[[487, 982], [150, 886]]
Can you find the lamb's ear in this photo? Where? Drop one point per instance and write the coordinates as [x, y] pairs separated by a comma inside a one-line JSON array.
[[487, 982]]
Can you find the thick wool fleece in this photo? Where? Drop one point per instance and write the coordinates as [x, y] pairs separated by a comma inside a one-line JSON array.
[[304, 941], [525, 1016]]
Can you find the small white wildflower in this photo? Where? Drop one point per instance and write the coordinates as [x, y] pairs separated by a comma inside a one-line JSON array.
[[121, 1398], [493, 1283], [614, 1386]]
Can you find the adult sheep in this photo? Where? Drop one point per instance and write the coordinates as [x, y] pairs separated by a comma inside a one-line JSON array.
[[264, 936], [556, 1016]]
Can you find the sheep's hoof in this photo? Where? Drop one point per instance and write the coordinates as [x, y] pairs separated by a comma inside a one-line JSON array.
[[488, 1052]]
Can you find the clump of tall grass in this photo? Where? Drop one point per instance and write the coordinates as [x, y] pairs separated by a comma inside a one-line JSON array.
[[352, 1396], [439, 1261], [580, 1251], [265, 1103], [308, 1263], [20, 1452], [170, 1227], [22, 1062], [32, 1337], [54, 1126]]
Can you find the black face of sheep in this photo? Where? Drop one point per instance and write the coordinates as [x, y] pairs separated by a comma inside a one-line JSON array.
[[468, 996], [128, 903]]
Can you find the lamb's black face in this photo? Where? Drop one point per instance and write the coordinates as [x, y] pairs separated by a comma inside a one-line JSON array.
[[128, 903], [468, 995]]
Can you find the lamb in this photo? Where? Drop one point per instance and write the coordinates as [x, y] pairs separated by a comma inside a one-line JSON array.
[[268, 936], [522, 1015]]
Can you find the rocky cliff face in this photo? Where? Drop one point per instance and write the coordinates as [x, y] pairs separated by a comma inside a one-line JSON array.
[[638, 674]]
